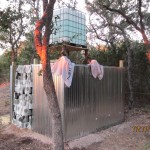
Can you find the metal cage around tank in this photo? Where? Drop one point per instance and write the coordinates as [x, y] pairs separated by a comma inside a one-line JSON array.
[[69, 26]]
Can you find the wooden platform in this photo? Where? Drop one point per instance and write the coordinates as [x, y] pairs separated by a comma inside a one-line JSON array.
[[68, 48]]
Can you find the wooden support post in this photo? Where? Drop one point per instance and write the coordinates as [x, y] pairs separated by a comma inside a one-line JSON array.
[[64, 52], [86, 53], [35, 61], [121, 63]]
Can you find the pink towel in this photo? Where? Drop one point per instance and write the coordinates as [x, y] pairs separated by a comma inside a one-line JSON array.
[[97, 69]]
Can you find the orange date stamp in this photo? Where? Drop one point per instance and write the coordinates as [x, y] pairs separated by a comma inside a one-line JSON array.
[[141, 128]]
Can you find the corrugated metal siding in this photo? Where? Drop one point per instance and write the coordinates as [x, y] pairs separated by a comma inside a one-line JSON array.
[[41, 115], [11, 93], [87, 106], [92, 104]]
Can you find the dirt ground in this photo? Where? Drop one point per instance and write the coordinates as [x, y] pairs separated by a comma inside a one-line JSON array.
[[4, 99], [120, 137]]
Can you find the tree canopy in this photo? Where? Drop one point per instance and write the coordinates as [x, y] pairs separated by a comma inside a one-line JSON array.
[[111, 15]]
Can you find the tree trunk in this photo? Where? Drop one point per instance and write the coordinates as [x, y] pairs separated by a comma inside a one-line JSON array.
[[146, 43], [129, 72], [41, 44], [49, 88], [12, 56], [130, 79]]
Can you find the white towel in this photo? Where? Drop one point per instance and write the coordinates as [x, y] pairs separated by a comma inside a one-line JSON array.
[[27, 68], [97, 69], [65, 68], [20, 69]]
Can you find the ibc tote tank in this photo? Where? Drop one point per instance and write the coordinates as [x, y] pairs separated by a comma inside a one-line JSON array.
[[70, 26]]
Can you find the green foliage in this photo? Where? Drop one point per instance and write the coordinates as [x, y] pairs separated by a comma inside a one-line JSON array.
[[28, 52], [13, 24], [25, 56], [7, 16], [54, 55], [141, 70], [76, 57], [9, 25], [109, 57], [5, 66]]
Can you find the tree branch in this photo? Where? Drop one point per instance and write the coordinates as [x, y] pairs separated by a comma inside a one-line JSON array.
[[128, 19], [45, 2], [141, 15], [44, 21], [21, 24]]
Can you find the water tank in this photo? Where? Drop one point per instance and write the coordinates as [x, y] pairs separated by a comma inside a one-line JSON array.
[[69, 26]]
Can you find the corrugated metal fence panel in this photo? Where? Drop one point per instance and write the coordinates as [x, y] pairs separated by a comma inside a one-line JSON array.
[[41, 115], [87, 106], [11, 93], [92, 104]]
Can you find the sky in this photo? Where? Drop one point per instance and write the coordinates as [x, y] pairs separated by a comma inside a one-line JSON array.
[[3, 3]]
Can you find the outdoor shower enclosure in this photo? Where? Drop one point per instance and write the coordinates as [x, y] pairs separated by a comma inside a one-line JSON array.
[[89, 105]]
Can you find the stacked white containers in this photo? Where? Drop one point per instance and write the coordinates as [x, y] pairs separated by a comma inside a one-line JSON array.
[[22, 107], [69, 26]]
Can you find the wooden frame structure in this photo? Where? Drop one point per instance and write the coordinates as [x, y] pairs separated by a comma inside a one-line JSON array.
[[68, 48]]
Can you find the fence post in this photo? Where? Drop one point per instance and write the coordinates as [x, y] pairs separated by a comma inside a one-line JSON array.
[[35, 61], [121, 63], [12, 87]]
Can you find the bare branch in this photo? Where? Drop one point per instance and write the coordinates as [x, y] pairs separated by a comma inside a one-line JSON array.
[[45, 2], [141, 15], [128, 19]]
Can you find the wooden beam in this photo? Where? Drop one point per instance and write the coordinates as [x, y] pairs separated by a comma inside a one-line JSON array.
[[68, 48]]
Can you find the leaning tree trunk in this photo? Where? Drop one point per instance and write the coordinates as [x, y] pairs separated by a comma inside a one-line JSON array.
[[49, 88], [41, 44], [130, 79], [13, 54], [130, 67], [129, 72]]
